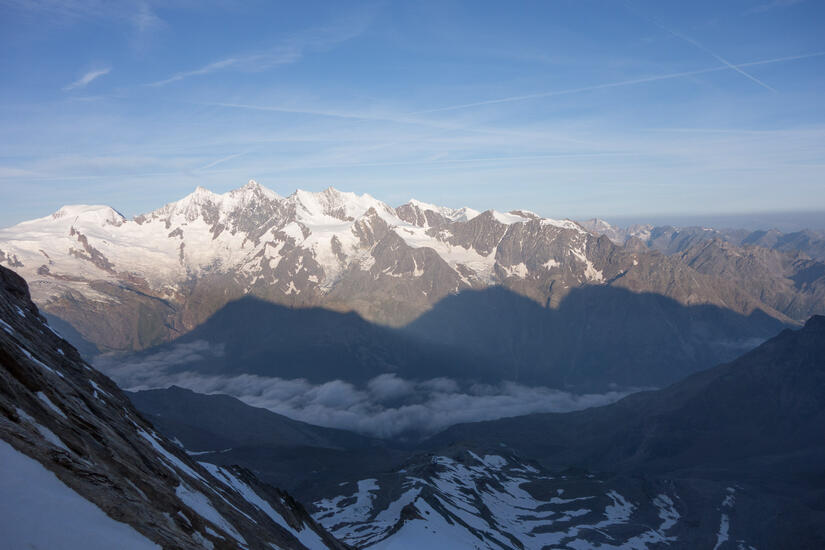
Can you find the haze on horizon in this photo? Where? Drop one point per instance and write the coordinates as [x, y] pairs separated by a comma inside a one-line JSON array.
[[646, 111]]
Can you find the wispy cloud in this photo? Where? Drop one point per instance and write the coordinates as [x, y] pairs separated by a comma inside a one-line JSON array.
[[87, 78], [247, 63], [290, 51], [620, 83], [139, 15], [221, 161], [770, 6]]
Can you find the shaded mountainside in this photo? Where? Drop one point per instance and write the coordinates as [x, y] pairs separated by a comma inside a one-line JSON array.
[[132, 284], [220, 421], [757, 421], [599, 338], [306, 460], [69, 436], [252, 336], [747, 417]]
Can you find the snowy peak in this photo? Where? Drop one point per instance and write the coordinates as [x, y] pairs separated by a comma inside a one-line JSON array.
[[253, 191], [93, 214], [416, 212], [332, 206]]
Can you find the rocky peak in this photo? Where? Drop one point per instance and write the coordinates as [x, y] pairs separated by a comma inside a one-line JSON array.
[[425, 214]]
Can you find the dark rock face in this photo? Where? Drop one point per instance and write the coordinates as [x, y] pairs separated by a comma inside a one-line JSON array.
[[59, 411]]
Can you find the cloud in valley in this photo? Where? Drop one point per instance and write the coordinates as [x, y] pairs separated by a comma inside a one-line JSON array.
[[386, 406]]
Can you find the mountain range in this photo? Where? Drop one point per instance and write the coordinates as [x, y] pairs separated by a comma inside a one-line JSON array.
[[127, 284], [446, 377]]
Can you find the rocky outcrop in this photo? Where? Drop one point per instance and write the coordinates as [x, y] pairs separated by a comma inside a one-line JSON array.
[[75, 422]]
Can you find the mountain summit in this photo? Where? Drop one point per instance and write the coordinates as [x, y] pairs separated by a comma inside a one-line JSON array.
[[128, 284]]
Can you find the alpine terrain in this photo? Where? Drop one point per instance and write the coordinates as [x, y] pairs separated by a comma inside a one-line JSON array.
[[82, 469]]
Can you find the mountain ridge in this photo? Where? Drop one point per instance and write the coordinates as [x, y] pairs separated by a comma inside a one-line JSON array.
[[157, 276]]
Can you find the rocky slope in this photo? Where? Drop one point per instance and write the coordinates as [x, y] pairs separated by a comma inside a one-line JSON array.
[[784, 271], [128, 284], [83, 469]]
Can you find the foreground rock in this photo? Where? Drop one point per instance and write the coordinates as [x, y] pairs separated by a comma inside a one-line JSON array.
[[82, 469]]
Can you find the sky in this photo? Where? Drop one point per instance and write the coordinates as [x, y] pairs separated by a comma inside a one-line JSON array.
[[572, 109]]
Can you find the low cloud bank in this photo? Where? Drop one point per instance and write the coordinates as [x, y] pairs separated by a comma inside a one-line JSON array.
[[387, 406]]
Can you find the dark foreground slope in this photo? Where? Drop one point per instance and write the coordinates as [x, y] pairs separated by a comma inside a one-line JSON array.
[[213, 422], [80, 464], [302, 458]]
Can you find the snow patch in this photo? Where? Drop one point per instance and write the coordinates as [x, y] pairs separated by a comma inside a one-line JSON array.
[[39, 511]]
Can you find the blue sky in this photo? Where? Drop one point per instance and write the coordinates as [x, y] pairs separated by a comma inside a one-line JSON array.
[[568, 108]]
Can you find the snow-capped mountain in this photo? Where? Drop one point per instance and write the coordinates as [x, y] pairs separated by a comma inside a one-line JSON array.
[[82, 469], [160, 274]]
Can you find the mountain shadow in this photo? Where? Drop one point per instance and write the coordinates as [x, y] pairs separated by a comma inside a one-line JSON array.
[[214, 422], [598, 338], [759, 418], [305, 459], [253, 336]]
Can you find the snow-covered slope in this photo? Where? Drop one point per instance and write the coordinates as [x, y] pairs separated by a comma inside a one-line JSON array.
[[466, 500], [45, 513], [162, 273], [79, 467]]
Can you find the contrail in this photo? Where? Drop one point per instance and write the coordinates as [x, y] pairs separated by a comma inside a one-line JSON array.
[[220, 160], [716, 56], [643, 80]]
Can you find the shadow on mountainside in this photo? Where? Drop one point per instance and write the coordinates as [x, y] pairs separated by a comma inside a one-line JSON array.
[[760, 418], [599, 338]]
